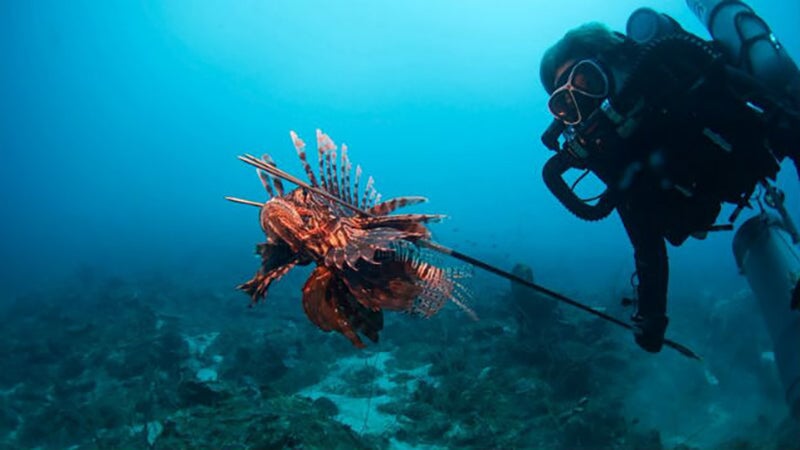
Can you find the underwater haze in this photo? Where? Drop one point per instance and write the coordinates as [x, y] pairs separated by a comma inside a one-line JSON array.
[[120, 124]]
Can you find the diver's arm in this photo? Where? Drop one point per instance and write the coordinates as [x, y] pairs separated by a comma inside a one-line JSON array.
[[650, 254]]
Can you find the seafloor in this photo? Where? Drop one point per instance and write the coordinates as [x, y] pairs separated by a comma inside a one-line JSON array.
[[108, 363]]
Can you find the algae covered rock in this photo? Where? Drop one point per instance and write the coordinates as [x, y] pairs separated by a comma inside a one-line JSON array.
[[193, 393], [279, 422], [531, 310]]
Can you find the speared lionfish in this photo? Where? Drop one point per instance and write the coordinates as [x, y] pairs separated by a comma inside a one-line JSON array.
[[366, 259]]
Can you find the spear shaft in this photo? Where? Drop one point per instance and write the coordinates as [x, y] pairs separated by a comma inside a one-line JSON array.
[[274, 171]]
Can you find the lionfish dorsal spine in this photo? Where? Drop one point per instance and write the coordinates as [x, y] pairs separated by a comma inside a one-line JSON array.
[[300, 146], [346, 167], [374, 197], [328, 175], [342, 168], [367, 190], [321, 159], [391, 205], [327, 152], [335, 174], [275, 180], [355, 186], [265, 181]]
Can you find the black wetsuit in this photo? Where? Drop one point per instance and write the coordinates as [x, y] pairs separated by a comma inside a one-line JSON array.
[[650, 215], [706, 150]]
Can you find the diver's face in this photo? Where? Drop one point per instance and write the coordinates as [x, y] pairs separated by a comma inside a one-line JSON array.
[[582, 86]]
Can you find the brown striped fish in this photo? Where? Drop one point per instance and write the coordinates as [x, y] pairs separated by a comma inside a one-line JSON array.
[[367, 258]]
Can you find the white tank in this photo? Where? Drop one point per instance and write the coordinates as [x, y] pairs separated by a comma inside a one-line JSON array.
[[748, 43], [765, 255]]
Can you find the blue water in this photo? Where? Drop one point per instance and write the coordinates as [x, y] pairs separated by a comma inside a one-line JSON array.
[[120, 123]]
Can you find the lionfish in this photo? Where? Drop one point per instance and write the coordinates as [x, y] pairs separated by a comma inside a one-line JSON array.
[[367, 259]]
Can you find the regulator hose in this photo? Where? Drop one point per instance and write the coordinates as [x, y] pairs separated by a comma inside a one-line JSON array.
[[553, 172]]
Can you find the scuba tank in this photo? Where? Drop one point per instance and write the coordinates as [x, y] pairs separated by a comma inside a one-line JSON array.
[[646, 25], [748, 44], [765, 245], [765, 255]]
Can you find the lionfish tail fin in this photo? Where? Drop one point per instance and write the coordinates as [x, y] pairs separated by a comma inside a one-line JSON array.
[[461, 294], [438, 283]]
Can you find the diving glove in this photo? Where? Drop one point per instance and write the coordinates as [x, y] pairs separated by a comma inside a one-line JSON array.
[[649, 331]]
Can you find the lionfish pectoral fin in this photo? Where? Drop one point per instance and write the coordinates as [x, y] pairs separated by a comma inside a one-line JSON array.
[[369, 246], [331, 306], [337, 257], [413, 225], [322, 308]]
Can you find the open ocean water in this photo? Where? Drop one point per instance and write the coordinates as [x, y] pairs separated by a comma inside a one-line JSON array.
[[120, 124]]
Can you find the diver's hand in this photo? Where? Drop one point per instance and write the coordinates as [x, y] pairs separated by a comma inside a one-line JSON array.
[[649, 332]]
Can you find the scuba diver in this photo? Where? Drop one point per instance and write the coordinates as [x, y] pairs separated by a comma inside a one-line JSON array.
[[674, 126]]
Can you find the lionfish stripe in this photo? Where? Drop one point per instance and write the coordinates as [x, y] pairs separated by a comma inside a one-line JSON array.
[[321, 159], [328, 173], [335, 175], [275, 180], [425, 218], [344, 178], [349, 186], [325, 147], [374, 197], [367, 192], [300, 146], [355, 190], [264, 177], [381, 209]]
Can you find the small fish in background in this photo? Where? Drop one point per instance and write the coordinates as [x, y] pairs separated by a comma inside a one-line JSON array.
[[366, 259], [710, 377]]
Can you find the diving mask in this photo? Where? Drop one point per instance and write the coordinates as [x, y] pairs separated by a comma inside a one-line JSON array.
[[578, 96]]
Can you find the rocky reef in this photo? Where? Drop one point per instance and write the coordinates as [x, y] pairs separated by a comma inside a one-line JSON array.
[[109, 363]]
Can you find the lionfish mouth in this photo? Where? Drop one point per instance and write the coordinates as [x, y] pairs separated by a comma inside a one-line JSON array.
[[281, 220]]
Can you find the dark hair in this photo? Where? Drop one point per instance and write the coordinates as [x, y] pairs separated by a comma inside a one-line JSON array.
[[586, 41]]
